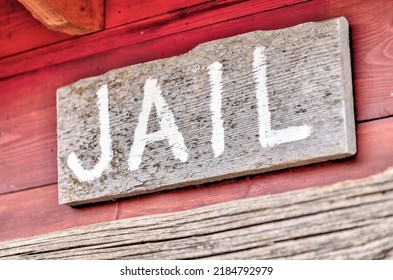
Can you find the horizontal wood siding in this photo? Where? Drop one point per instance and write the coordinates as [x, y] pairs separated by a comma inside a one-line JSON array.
[[34, 62], [120, 12], [136, 33]]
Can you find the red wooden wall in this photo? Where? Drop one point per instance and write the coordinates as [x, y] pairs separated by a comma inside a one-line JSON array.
[[35, 61]]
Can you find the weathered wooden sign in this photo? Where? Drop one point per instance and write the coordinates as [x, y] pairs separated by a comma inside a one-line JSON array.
[[248, 104]]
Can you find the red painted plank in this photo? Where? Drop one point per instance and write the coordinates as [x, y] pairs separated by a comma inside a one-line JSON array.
[[119, 12], [30, 98], [28, 150], [32, 212], [36, 211], [20, 32]]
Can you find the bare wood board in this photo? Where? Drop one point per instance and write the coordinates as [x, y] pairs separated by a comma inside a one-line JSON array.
[[348, 220], [243, 105]]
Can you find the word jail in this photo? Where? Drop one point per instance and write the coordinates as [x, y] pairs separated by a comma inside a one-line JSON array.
[[248, 104]]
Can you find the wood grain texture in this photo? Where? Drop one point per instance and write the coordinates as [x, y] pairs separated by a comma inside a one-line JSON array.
[[18, 220], [286, 101], [349, 220], [43, 213], [120, 12], [20, 32], [70, 17]]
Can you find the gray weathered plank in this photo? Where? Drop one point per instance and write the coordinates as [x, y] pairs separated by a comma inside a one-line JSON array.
[[248, 104], [349, 220]]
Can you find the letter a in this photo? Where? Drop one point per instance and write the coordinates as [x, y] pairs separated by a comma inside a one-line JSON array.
[[105, 143], [168, 129], [267, 136]]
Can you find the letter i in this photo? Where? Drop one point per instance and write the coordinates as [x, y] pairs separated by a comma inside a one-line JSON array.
[[215, 77]]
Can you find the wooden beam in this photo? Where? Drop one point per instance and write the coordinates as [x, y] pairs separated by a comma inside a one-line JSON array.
[[349, 220], [70, 17]]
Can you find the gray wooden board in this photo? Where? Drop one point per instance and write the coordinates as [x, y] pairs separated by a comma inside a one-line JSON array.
[[248, 104], [348, 220]]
